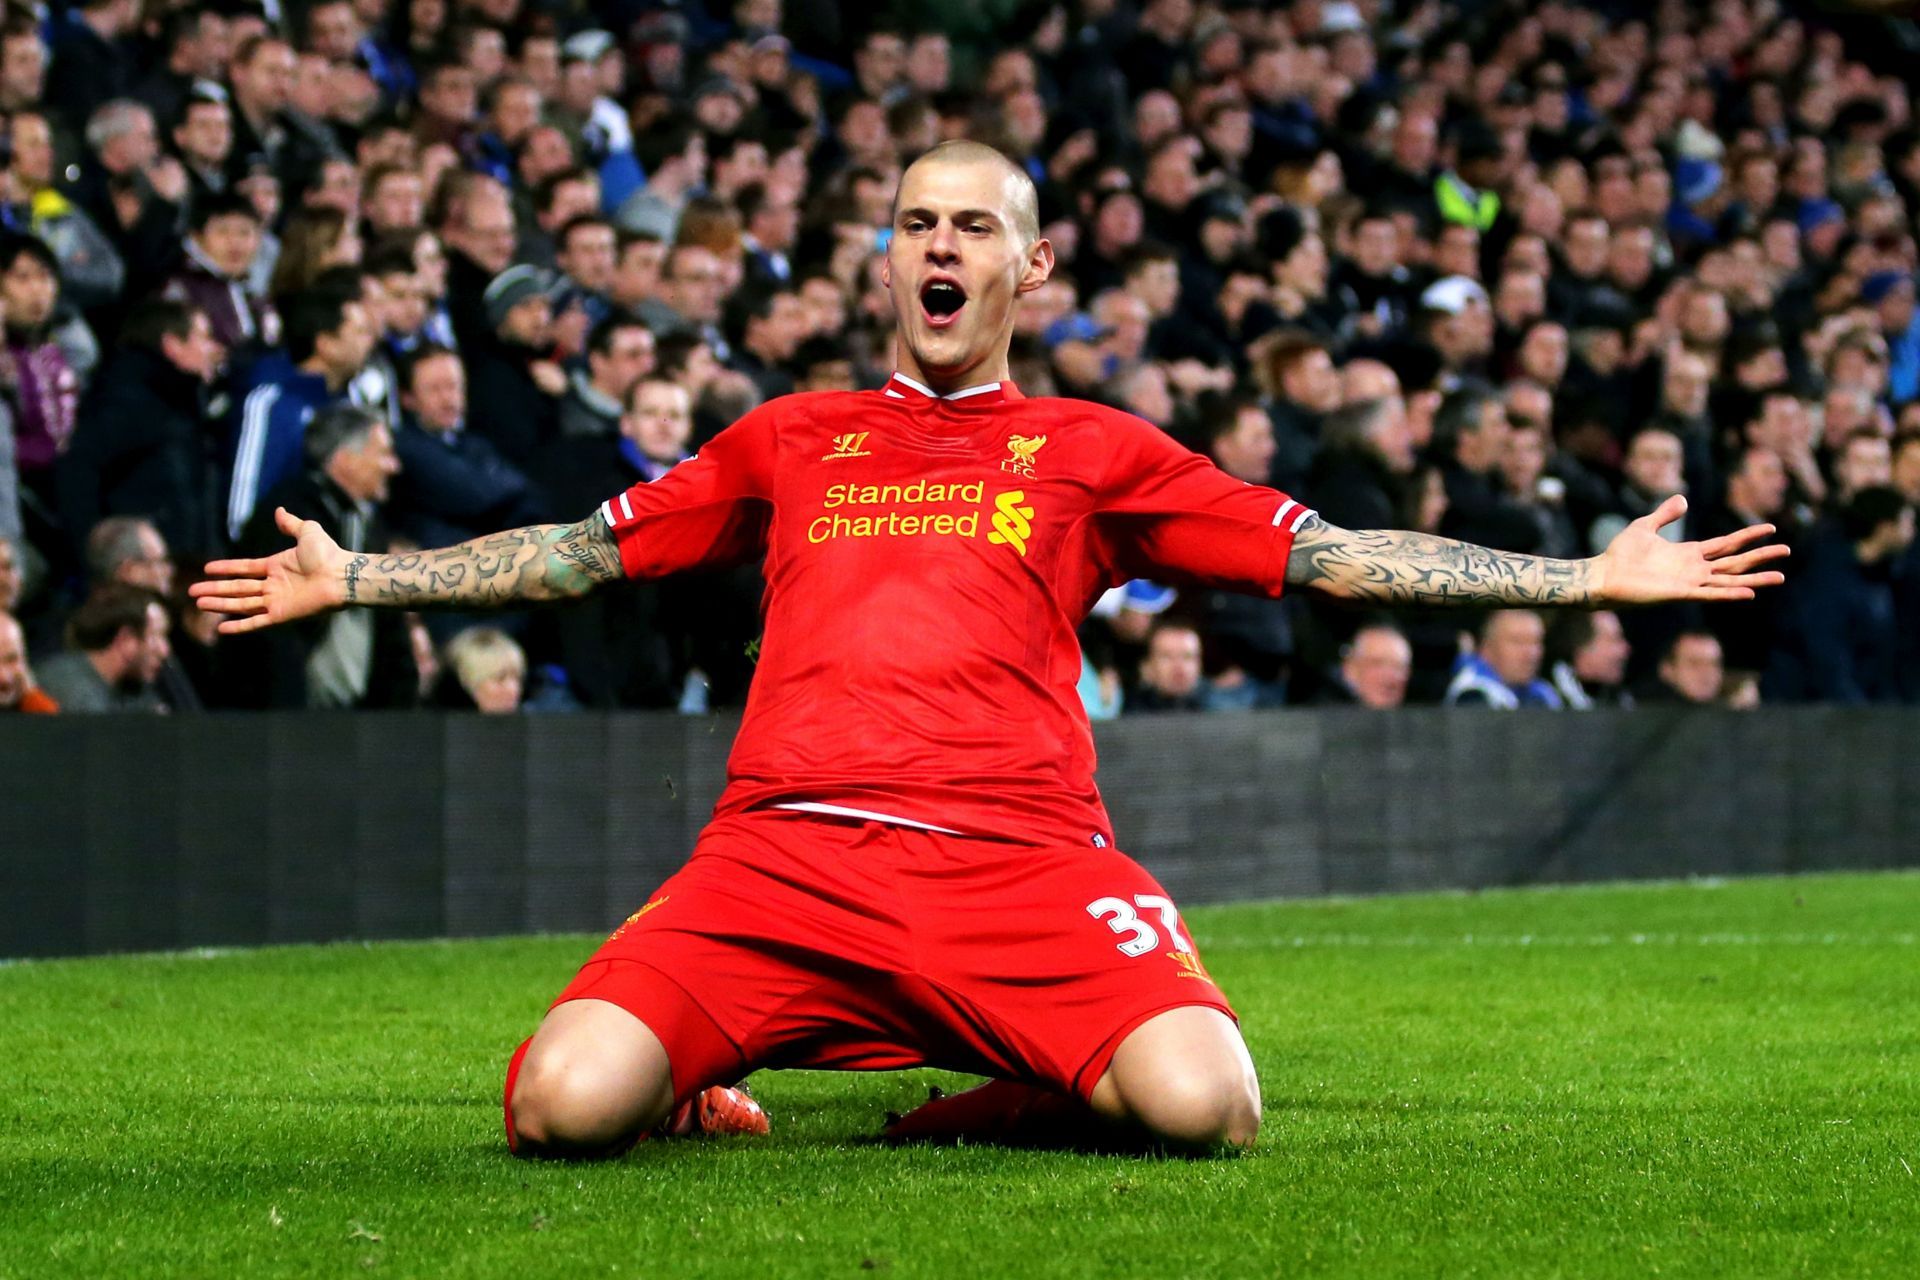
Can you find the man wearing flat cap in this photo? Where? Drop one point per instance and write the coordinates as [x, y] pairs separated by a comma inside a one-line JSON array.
[[516, 382]]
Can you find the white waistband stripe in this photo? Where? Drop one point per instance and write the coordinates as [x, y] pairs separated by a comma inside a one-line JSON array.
[[841, 811]]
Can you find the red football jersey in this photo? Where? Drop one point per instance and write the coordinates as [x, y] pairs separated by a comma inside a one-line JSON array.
[[928, 560]]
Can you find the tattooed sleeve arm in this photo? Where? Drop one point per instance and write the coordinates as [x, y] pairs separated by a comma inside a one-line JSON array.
[[536, 563], [1398, 567], [540, 562]]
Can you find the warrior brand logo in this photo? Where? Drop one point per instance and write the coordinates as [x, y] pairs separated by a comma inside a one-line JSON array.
[[1022, 448], [848, 446], [1012, 523]]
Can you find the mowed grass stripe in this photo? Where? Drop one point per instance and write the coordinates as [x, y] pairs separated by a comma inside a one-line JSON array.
[[1737, 1093]]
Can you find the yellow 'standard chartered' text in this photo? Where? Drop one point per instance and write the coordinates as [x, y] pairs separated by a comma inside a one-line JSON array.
[[904, 513], [870, 495]]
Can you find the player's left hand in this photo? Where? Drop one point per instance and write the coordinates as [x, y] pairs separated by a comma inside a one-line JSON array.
[[1641, 567]]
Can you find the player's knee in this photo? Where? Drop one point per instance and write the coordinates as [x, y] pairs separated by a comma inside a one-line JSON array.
[[1202, 1108], [568, 1108]]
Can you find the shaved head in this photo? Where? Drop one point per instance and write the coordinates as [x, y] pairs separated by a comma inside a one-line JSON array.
[[1023, 202], [966, 244]]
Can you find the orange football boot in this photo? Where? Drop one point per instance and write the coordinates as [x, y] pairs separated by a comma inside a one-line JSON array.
[[717, 1112]]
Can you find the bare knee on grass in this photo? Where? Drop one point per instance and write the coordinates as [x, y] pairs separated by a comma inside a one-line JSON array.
[[1186, 1078], [595, 1078]]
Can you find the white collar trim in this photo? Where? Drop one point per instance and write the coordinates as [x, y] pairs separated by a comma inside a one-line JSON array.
[[931, 394]]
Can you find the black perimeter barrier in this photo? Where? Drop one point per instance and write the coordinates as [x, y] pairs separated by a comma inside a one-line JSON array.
[[129, 834]]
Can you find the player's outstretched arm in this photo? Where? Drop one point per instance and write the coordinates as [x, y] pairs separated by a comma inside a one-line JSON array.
[[1397, 567], [517, 566]]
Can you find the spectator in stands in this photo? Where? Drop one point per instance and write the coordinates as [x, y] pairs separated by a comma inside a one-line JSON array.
[[1685, 385], [1653, 474], [477, 227], [1171, 673], [405, 310], [1302, 296], [593, 76], [394, 200], [1589, 652], [130, 550], [486, 671], [512, 106], [220, 248], [673, 155], [1366, 456], [1372, 274], [1860, 462], [1503, 671], [1240, 438], [93, 59], [693, 286], [17, 689], [452, 485], [653, 434], [516, 383], [620, 352], [262, 78], [1523, 466], [91, 272], [1456, 320], [314, 241], [769, 327], [586, 251], [328, 339], [1302, 387], [23, 65], [637, 275], [1251, 637], [1470, 436], [559, 199], [40, 391], [770, 221], [1839, 639], [1690, 672], [193, 51], [631, 648], [203, 137], [116, 647], [1375, 667], [130, 190], [357, 657]]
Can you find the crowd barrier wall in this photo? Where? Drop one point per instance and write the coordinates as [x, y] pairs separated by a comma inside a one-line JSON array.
[[127, 834]]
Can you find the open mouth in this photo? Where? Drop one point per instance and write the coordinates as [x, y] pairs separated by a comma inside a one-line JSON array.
[[941, 300]]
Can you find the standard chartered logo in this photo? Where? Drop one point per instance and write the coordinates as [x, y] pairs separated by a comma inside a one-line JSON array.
[[913, 510], [1012, 523]]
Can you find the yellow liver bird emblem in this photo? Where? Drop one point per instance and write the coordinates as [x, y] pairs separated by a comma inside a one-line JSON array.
[[1022, 449]]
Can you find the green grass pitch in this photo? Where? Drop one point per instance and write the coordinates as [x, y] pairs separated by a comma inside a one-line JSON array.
[[1713, 1079]]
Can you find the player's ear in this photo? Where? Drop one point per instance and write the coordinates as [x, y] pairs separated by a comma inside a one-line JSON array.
[[1039, 265], [886, 270]]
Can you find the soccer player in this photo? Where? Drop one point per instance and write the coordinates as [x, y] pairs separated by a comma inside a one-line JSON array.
[[910, 863]]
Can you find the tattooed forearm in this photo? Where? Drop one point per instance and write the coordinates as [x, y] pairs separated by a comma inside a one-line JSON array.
[[1397, 567], [539, 562]]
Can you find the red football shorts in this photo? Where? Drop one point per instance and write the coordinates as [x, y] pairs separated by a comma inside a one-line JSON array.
[[794, 939]]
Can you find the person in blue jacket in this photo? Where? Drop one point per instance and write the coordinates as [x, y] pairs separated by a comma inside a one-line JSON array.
[[328, 339]]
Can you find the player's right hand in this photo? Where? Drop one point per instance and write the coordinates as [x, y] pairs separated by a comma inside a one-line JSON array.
[[307, 578]]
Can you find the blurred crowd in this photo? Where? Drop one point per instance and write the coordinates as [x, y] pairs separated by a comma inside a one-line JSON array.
[[1513, 272]]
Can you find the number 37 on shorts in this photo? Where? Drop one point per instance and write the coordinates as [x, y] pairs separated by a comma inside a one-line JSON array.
[[1124, 917]]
